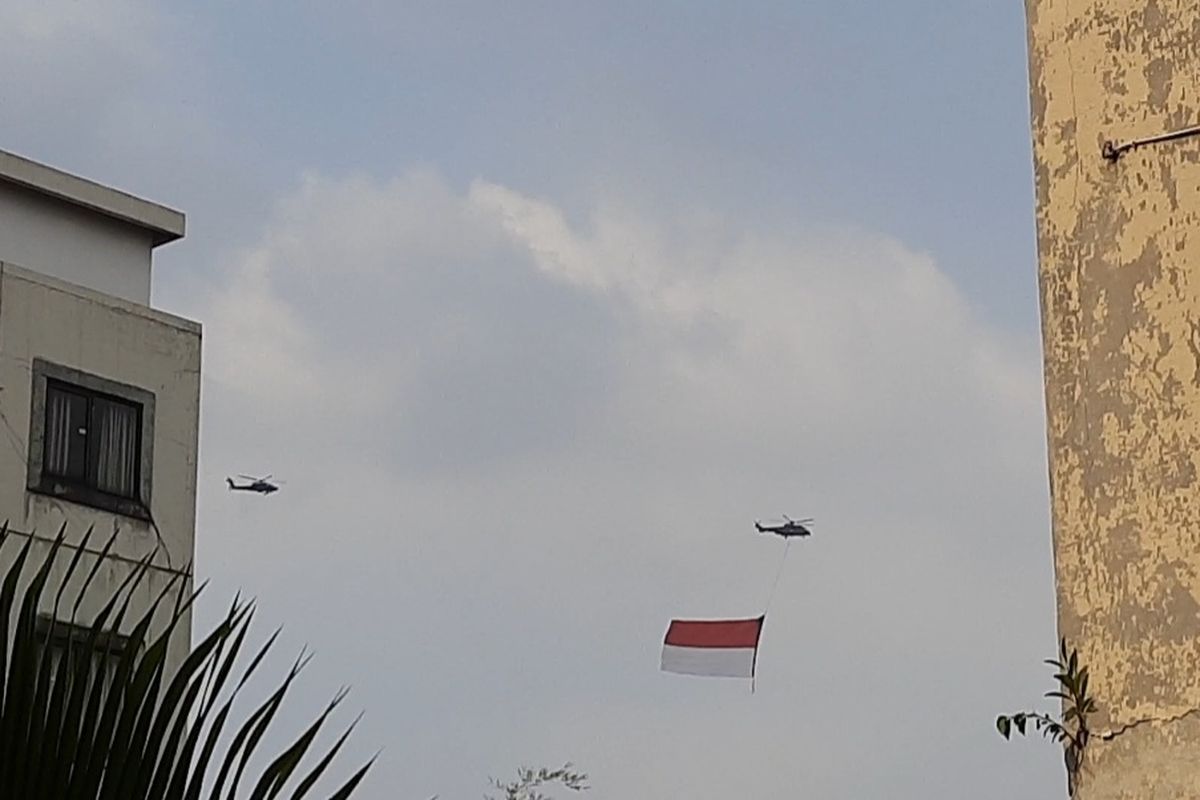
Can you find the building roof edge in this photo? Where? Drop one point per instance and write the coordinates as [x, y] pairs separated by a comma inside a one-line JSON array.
[[164, 224]]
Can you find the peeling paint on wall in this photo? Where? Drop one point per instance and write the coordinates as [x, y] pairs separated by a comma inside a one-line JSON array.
[[1119, 275]]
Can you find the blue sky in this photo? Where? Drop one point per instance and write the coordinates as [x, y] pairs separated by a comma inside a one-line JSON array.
[[905, 118], [536, 308]]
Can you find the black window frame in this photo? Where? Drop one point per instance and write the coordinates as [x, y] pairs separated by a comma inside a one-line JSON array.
[[47, 375], [90, 445]]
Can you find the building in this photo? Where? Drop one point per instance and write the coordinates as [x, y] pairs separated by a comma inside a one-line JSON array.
[[1114, 96], [99, 392]]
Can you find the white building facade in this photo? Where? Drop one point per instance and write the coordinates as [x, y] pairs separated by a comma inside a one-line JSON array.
[[99, 392]]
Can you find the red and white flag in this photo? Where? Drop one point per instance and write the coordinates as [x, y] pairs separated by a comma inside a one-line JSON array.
[[723, 648]]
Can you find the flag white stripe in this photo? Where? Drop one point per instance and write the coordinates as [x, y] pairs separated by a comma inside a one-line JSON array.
[[713, 662]]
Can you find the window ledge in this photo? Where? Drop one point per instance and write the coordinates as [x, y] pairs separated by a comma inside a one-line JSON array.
[[90, 497]]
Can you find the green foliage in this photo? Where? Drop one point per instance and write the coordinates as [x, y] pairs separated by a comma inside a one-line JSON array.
[[1071, 730], [122, 728], [529, 782]]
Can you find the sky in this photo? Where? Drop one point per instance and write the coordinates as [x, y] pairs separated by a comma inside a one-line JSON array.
[[536, 307]]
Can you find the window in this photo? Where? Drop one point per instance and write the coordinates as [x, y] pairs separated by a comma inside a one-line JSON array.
[[90, 440], [71, 641]]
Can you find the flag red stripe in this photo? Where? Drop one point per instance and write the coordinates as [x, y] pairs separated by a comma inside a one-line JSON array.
[[714, 633]]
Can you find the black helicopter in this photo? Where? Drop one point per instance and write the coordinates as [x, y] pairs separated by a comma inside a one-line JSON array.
[[260, 485], [791, 527]]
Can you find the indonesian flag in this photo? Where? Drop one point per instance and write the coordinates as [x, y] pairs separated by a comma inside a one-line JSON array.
[[723, 648]]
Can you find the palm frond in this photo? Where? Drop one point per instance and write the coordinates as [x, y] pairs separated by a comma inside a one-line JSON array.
[[97, 721]]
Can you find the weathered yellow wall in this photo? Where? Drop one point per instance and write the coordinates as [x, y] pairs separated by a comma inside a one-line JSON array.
[[1119, 247]]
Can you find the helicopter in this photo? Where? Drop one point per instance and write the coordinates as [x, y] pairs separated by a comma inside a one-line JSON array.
[[260, 485], [791, 527]]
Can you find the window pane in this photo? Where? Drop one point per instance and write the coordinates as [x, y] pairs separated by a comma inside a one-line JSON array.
[[65, 441], [114, 447], [101, 663]]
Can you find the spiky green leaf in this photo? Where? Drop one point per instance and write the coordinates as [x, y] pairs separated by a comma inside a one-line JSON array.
[[129, 728]]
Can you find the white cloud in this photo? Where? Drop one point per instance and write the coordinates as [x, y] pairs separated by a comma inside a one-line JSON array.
[[114, 90], [118, 24], [88, 54], [527, 443]]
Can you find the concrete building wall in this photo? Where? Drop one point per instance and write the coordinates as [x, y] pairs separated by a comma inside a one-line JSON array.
[[74, 244], [45, 318], [110, 576], [1119, 252]]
